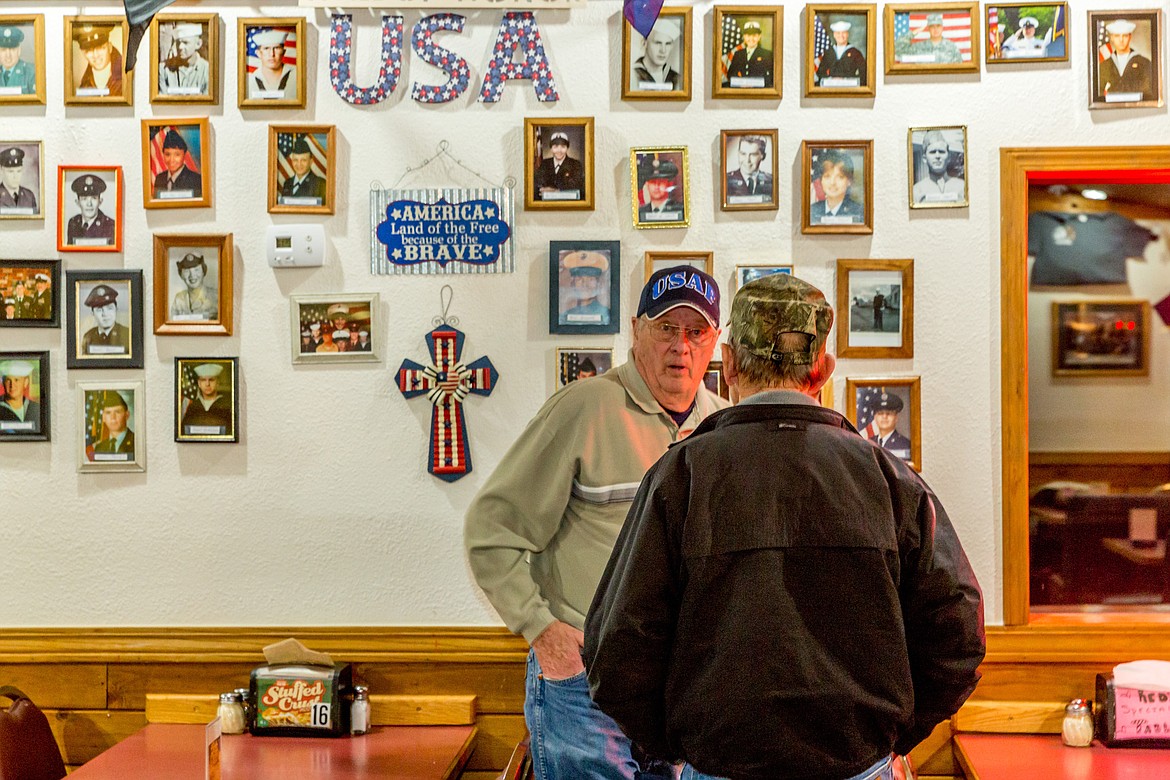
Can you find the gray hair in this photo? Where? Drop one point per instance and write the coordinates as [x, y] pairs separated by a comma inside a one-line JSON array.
[[764, 373]]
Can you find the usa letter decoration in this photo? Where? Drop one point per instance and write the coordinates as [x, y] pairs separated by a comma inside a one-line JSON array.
[[341, 60]]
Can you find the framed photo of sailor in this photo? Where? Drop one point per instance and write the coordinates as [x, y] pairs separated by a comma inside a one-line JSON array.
[[751, 171], [658, 67], [875, 299], [558, 164], [659, 177], [301, 170], [30, 293], [748, 46], [749, 273], [840, 49], [838, 189], [184, 64], [888, 413], [95, 70], [22, 59], [575, 363], [584, 286], [112, 435], [207, 392], [193, 284], [932, 37], [336, 328], [24, 396], [176, 163], [89, 208], [103, 319], [715, 381], [937, 157], [660, 261], [1101, 338], [1125, 59], [22, 179], [270, 67], [1027, 32]]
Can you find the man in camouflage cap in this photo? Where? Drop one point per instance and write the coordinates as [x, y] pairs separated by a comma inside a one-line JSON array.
[[777, 570], [17, 75]]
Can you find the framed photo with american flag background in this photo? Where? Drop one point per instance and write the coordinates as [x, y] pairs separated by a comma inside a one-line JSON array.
[[271, 73], [176, 163], [748, 51], [1125, 59], [207, 393], [932, 37], [1027, 32], [301, 171], [336, 328], [840, 49], [887, 412]]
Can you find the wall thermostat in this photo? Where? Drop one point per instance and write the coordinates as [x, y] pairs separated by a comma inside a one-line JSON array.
[[295, 246]]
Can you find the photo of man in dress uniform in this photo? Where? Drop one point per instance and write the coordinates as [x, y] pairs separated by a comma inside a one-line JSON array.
[[210, 412], [18, 76], [18, 412], [103, 74], [107, 336], [274, 79], [661, 194], [750, 65], [658, 68], [885, 420], [1123, 75], [15, 198], [842, 64], [118, 439], [585, 301], [92, 227], [747, 183], [183, 69], [177, 180], [303, 186], [42, 300], [939, 179], [200, 298], [559, 177]]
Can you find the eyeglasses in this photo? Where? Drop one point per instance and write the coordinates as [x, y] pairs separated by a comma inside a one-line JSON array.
[[665, 333]]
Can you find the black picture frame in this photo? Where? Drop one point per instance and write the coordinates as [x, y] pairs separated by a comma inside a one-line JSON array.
[[27, 270], [13, 428], [190, 424], [584, 318], [81, 352]]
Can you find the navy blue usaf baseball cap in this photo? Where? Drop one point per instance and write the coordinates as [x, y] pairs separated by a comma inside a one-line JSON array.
[[682, 285]]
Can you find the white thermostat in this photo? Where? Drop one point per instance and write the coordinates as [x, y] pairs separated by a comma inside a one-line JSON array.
[[295, 246]]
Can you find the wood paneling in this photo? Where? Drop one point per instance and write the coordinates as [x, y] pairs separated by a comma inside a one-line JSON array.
[[498, 735], [59, 686], [83, 734], [181, 708], [1017, 717]]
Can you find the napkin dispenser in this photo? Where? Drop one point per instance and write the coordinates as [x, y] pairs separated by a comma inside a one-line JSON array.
[[1131, 717], [300, 693]]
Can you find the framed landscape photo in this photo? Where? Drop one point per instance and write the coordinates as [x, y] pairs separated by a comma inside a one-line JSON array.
[[22, 179], [95, 67], [270, 67], [193, 284], [658, 67], [104, 319], [176, 163], [30, 292], [112, 432], [301, 169], [1027, 32], [24, 396], [1125, 59], [22, 59], [749, 273], [748, 47], [932, 37], [840, 49], [575, 363], [751, 171], [184, 62], [660, 261], [336, 328], [207, 392], [558, 164], [659, 177], [1101, 338], [584, 286], [715, 381], [838, 186], [875, 305], [888, 412], [937, 159], [89, 208]]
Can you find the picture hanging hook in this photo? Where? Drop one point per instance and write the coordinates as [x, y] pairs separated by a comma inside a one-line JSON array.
[[446, 295]]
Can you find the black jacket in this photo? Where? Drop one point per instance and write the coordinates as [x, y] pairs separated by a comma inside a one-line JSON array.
[[786, 600]]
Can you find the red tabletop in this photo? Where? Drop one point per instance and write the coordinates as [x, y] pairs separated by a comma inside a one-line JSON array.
[[175, 752], [1015, 756]]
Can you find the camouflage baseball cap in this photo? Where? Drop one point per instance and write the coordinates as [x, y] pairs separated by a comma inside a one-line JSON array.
[[767, 308]]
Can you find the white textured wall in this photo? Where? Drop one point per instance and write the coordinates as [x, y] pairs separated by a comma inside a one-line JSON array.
[[324, 513]]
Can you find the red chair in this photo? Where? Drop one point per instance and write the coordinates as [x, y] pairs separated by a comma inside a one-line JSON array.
[[28, 750]]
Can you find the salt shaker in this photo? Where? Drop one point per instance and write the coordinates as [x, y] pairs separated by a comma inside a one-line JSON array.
[[359, 711], [1077, 728], [231, 713]]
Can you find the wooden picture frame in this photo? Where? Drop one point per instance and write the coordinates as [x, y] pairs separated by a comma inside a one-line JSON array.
[[1107, 337], [735, 74], [90, 209], [176, 163], [104, 319], [324, 326], [30, 293], [827, 166], [584, 287], [1141, 83], [660, 260], [853, 73], [572, 362], [193, 284], [97, 41], [715, 380], [875, 308], [307, 153], [751, 170], [936, 160], [22, 54], [657, 174], [24, 396], [932, 37], [1009, 41], [563, 186], [749, 273], [865, 397], [670, 41], [270, 69], [22, 163], [112, 434], [184, 58], [207, 399]]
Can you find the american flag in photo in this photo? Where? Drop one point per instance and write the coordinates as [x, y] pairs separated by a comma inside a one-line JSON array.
[[956, 28], [284, 145], [821, 41], [188, 387], [1104, 50], [867, 401], [993, 31], [818, 192], [290, 46], [732, 40], [158, 136], [95, 431], [570, 362]]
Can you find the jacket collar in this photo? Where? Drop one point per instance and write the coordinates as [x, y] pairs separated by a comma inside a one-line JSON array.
[[751, 413], [639, 393]]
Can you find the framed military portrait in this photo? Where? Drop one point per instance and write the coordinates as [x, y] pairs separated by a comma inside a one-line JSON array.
[[95, 69], [659, 178], [207, 392], [193, 284], [336, 328], [1094, 338], [112, 422], [575, 363], [301, 170], [658, 67], [22, 59], [660, 261], [715, 380], [176, 163], [1027, 32], [103, 319], [840, 48], [748, 47], [24, 396], [22, 179], [584, 286], [751, 172], [937, 158], [271, 73], [888, 413], [184, 63], [89, 208], [875, 308], [749, 273], [558, 164], [932, 37], [30, 291], [1125, 59], [838, 189]]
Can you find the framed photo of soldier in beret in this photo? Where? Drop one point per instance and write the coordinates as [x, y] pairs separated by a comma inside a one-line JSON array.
[[840, 50], [751, 172], [336, 328], [748, 51], [112, 429], [193, 284], [584, 286], [22, 180], [103, 319], [301, 170], [89, 208], [932, 37], [838, 186], [888, 413], [1125, 59], [207, 392], [271, 70], [24, 396], [575, 363], [22, 59], [659, 177], [30, 293], [660, 261], [176, 163], [95, 70], [558, 164], [875, 308], [184, 61], [1027, 32], [658, 67]]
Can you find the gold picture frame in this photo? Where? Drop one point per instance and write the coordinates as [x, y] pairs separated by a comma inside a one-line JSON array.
[[90, 40], [868, 396], [931, 37], [658, 261], [638, 75], [260, 82], [1101, 337], [185, 143], [735, 74], [29, 86], [853, 73], [192, 293], [825, 164], [1141, 84], [1004, 45], [571, 362], [657, 174], [182, 71], [875, 308], [928, 186], [748, 181], [302, 170], [563, 186], [207, 399]]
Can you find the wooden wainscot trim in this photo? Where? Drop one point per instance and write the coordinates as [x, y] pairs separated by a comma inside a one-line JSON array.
[[181, 708], [1016, 717], [410, 710], [1081, 637]]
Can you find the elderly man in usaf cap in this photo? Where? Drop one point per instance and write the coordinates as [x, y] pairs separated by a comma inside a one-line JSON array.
[[18, 412], [15, 198], [560, 177], [785, 599], [17, 76], [183, 70], [103, 75], [1124, 73], [176, 180], [751, 63], [108, 336], [92, 227], [274, 78], [842, 60]]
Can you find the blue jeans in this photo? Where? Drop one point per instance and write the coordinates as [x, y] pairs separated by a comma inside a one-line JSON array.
[[882, 770]]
